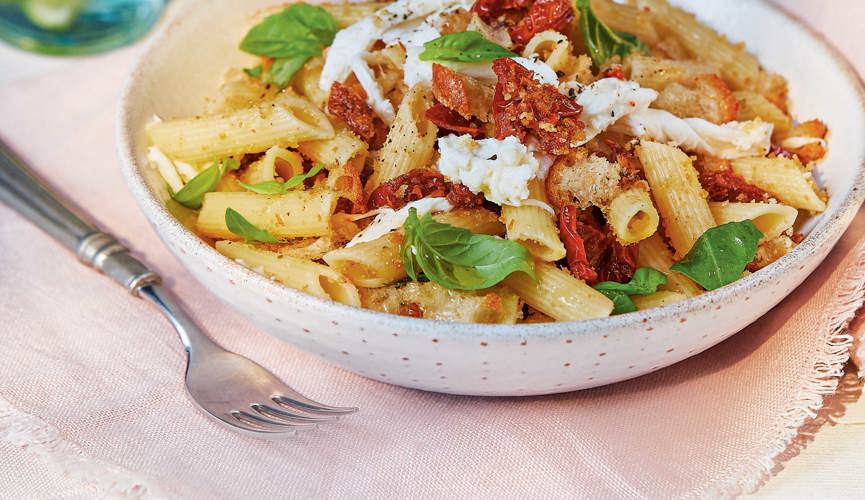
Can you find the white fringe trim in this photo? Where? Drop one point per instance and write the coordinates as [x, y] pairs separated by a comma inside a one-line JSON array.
[[98, 479], [828, 363]]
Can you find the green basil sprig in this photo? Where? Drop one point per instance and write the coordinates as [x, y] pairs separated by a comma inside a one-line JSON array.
[[645, 281], [191, 195], [276, 187], [720, 255], [238, 225], [291, 38], [601, 41], [458, 259], [468, 46]]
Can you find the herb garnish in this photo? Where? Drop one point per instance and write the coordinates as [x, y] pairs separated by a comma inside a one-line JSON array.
[[192, 194], [720, 255], [456, 258], [290, 38], [238, 225], [645, 281], [468, 46], [601, 41]]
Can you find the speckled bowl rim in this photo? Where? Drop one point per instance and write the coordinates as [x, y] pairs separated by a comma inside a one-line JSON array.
[[828, 233]]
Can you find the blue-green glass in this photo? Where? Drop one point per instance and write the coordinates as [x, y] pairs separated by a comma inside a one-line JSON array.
[[75, 27]]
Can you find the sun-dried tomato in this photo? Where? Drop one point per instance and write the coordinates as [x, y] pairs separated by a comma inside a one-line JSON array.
[[491, 10], [572, 230], [620, 262], [543, 15], [349, 104], [614, 71], [725, 185], [593, 253], [522, 105], [462, 197], [410, 309], [421, 183], [451, 121]]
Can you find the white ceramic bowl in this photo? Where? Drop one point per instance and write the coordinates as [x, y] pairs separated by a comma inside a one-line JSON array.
[[183, 65]]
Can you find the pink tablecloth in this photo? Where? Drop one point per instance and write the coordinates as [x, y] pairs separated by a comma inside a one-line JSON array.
[[91, 389]]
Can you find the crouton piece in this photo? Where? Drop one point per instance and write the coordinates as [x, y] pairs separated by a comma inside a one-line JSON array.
[[583, 181], [704, 96]]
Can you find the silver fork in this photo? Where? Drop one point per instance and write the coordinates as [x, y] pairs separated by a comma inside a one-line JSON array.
[[235, 390]]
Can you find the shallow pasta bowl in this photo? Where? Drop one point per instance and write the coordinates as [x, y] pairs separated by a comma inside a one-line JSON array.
[[184, 64]]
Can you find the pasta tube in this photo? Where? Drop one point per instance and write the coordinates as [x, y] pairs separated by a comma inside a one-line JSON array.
[[304, 275]]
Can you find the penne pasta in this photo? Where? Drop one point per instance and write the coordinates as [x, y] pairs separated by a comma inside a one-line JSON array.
[[784, 178], [533, 227], [410, 140], [305, 82], [632, 216], [304, 275], [559, 295], [337, 150], [753, 105], [654, 253], [265, 169], [432, 301], [657, 299], [680, 199], [626, 18], [295, 214], [283, 121], [772, 219], [737, 66], [657, 73]]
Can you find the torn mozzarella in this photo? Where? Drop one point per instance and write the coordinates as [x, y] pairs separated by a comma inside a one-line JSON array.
[[350, 44], [543, 72], [389, 220], [606, 101], [374, 96], [730, 140], [166, 168], [412, 39], [501, 169]]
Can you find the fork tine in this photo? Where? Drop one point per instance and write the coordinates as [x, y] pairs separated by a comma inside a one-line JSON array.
[[278, 414], [296, 401], [264, 425]]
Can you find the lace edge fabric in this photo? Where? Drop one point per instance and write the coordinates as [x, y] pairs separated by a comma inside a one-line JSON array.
[[98, 478], [826, 368]]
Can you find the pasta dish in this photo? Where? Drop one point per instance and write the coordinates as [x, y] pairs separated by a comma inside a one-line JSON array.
[[494, 161]]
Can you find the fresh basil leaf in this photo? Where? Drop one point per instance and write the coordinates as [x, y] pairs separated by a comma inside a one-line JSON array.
[[291, 38], [456, 258], [298, 179], [293, 30], [601, 41], [254, 72], [645, 281], [238, 225], [720, 255], [275, 187], [468, 46], [283, 69], [267, 187], [192, 194], [622, 302]]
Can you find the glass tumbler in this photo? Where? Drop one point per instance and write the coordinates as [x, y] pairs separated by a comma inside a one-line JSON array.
[[75, 27]]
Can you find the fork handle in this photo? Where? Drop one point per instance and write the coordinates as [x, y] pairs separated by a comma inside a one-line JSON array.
[[32, 199]]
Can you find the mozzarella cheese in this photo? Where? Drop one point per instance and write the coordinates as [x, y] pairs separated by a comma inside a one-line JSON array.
[[165, 167], [500, 169], [374, 96], [606, 101], [730, 140], [543, 72], [389, 220]]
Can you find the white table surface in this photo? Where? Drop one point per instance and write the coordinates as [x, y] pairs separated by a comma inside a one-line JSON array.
[[828, 459]]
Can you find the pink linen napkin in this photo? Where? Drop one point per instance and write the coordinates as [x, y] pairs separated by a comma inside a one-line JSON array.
[[91, 387]]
